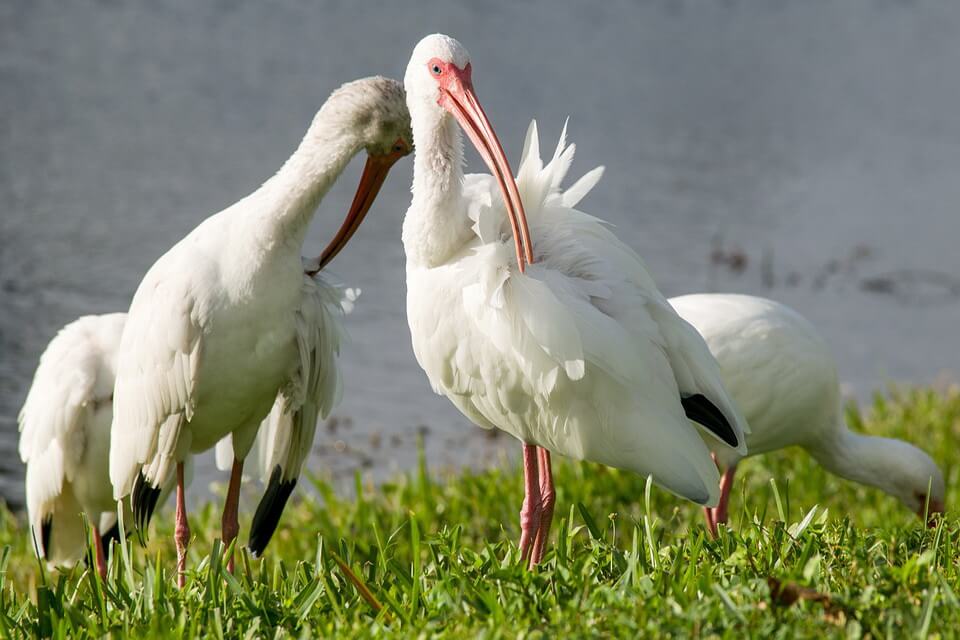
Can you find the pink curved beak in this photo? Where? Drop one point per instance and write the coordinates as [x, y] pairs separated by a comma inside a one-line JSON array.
[[460, 100], [374, 173]]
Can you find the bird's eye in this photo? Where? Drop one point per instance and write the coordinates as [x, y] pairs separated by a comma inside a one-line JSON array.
[[435, 69], [398, 148]]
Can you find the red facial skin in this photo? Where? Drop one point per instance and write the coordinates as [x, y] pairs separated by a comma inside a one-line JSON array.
[[458, 97]]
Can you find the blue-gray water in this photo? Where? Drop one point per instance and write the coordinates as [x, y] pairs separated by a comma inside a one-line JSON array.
[[805, 151]]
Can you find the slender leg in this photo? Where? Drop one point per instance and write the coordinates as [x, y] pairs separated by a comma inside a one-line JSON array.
[[548, 497], [100, 558], [708, 514], [182, 531], [530, 511], [726, 485], [230, 525]]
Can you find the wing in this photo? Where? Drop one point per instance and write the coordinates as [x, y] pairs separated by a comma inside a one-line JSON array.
[[156, 379], [74, 375], [584, 248], [589, 248], [587, 312], [775, 364], [286, 435]]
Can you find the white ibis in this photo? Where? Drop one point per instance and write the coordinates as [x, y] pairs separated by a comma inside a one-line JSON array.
[[783, 377], [211, 336], [65, 440], [558, 336]]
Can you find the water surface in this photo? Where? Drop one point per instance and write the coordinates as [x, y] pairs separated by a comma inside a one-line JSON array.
[[809, 152]]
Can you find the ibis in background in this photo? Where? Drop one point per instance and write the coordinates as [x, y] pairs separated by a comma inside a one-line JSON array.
[[783, 377], [65, 441]]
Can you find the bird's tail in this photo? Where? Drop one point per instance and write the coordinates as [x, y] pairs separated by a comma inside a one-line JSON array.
[[58, 532], [143, 501], [268, 513]]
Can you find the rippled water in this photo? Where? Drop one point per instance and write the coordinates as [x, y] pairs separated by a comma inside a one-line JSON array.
[[805, 151]]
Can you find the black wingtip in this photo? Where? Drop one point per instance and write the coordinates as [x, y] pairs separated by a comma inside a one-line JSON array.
[[704, 412], [267, 517], [111, 535], [144, 501], [46, 530]]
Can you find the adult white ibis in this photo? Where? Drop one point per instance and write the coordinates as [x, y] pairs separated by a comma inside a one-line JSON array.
[[783, 377], [558, 336], [65, 440], [211, 336]]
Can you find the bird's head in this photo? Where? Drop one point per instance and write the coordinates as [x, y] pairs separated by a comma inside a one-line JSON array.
[[439, 82], [921, 484], [908, 473], [375, 109]]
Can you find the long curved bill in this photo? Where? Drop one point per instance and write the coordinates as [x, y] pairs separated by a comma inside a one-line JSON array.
[[374, 173], [461, 100]]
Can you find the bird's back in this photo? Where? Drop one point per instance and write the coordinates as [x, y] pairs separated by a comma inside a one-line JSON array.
[[64, 427], [775, 364]]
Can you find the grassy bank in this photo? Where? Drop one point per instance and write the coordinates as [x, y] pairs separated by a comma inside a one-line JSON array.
[[809, 555]]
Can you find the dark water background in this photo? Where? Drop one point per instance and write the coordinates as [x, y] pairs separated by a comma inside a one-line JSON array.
[[807, 151]]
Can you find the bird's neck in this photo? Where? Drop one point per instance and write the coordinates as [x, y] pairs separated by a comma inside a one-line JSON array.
[[436, 225], [870, 460], [280, 211]]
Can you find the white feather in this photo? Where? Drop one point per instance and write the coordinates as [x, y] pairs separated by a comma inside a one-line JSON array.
[[65, 431], [782, 375], [312, 391], [581, 354]]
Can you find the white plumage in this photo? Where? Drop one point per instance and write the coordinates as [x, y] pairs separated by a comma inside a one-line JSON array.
[[314, 388], [65, 437], [784, 378], [579, 354], [65, 421]]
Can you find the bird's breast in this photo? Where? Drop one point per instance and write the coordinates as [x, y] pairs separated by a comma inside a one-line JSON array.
[[248, 352]]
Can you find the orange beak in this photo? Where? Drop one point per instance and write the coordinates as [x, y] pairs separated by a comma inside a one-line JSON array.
[[459, 99], [374, 173]]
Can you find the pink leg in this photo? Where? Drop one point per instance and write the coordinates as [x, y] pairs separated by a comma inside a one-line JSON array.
[[230, 524], [710, 513], [530, 511], [548, 496], [710, 517], [726, 485], [182, 531], [100, 557]]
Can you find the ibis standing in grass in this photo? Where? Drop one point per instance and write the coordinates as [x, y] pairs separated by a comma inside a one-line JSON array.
[[557, 336], [65, 441], [783, 377], [212, 335]]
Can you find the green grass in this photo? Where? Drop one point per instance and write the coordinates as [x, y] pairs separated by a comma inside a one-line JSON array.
[[424, 556]]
